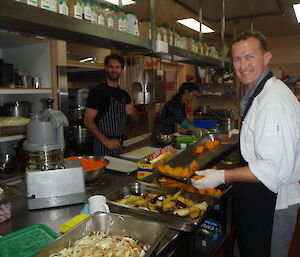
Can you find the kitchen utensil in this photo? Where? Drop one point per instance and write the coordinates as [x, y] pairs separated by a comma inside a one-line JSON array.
[[90, 175], [17, 109], [36, 82], [81, 140], [145, 232], [9, 165], [98, 203], [166, 139], [120, 165]]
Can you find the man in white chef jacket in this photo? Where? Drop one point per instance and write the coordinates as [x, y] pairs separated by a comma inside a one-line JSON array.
[[266, 188]]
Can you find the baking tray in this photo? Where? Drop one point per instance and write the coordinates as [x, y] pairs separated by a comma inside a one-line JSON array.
[[146, 232], [26, 242], [137, 188], [225, 188], [12, 130]]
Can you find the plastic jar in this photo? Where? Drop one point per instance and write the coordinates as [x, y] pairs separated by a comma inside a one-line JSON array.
[[94, 11], [32, 2], [75, 9], [189, 43], [102, 14], [133, 23], [63, 7], [171, 36], [118, 19], [176, 39], [110, 16], [145, 28], [53, 5], [87, 10], [164, 32], [44, 4], [124, 20]]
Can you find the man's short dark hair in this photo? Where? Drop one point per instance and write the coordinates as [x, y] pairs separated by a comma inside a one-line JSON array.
[[117, 57], [255, 34]]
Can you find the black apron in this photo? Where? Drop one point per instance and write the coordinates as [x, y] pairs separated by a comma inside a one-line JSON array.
[[254, 206], [112, 125]]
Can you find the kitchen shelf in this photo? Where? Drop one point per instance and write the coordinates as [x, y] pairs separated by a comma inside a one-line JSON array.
[[77, 64], [25, 91], [11, 138], [25, 18], [182, 55], [21, 17]]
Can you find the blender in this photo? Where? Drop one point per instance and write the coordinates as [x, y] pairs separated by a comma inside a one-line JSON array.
[[51, 180]]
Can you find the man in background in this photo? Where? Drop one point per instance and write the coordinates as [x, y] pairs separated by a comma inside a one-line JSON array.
[[106, 109]]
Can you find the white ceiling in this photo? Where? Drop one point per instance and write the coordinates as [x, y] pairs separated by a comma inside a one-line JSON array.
[[273, 17]]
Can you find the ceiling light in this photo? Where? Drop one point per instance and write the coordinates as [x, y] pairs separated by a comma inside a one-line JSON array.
[[297, 11], [195, 25], [124, 2]]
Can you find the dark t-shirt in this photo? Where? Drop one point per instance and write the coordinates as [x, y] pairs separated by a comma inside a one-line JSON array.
[[99, 98]]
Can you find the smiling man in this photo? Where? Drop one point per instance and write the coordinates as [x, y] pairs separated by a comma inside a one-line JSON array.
[[266, 188], [106, 109]]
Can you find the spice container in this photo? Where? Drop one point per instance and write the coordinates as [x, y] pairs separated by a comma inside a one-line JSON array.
[[44, 4], [75, 9], [101, 11], [94, 11], [63, 7], [145, 28], [86, 10], [53, 5], [110, 13], [32, 2], [124, 20], [133, 23]]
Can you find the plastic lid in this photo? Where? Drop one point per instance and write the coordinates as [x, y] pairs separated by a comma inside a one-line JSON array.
[[26, 242]]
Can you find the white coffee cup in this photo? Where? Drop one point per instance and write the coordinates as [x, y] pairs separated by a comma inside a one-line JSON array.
[[98, 203]]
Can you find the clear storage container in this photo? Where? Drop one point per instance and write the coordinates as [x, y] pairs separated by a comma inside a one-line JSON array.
[[63, 7], [44, 4], [164, 32], [53, 5], [110, 16], [75, 9], [94, 11], [124, 20], [102, 10], [145, 28], [133, 23], [32, 2], [87, 10]]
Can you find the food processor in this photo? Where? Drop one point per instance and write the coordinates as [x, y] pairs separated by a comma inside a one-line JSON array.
[[51, 180]]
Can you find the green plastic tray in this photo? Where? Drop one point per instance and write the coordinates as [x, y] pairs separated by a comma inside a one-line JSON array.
[[186, 140], [26, 242]]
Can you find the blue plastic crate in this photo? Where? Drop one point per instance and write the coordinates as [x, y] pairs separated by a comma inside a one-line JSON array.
[[205, 124]]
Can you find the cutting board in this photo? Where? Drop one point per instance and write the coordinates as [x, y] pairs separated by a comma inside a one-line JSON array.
[[139, 153], [120, 165]]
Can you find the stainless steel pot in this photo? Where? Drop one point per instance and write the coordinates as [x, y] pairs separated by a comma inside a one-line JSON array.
[[17, 109], [9, 165], [81, 140]]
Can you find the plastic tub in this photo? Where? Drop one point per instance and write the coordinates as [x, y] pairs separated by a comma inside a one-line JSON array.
[[205, 123], [26, 242]]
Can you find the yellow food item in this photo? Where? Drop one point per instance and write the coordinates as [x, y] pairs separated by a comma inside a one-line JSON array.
[[200, 149]]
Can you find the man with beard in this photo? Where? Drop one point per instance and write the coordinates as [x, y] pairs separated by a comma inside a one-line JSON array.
[[106, 109]]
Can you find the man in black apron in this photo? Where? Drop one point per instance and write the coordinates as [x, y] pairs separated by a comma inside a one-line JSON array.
[[270, 144], [106, 110]]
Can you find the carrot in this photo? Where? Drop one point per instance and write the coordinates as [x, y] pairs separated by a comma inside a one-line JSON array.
[[88, 164]]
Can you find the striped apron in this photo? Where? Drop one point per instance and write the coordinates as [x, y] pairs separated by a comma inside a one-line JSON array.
[[112, 125]]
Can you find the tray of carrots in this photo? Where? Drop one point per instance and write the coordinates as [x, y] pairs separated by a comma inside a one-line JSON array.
[[159, 179], [210, 145], [179, 173]]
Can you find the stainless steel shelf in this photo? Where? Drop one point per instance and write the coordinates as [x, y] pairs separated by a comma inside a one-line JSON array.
[[24, 18], [181, 55]]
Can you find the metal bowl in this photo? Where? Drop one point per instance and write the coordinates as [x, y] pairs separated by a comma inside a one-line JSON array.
[[166, 138], [9, 165], [91, 175]]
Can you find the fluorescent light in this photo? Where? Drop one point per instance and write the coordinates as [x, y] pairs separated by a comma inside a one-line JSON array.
[[124, 2], [297, 11], [87, 59], [195, 25]]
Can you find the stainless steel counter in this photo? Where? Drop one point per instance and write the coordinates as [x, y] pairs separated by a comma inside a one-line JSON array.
[[108, 182]]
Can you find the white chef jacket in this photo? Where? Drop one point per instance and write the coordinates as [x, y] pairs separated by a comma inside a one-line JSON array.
[[270, 141]]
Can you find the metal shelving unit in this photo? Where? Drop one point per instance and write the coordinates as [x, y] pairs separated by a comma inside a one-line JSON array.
[[25, 18]]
